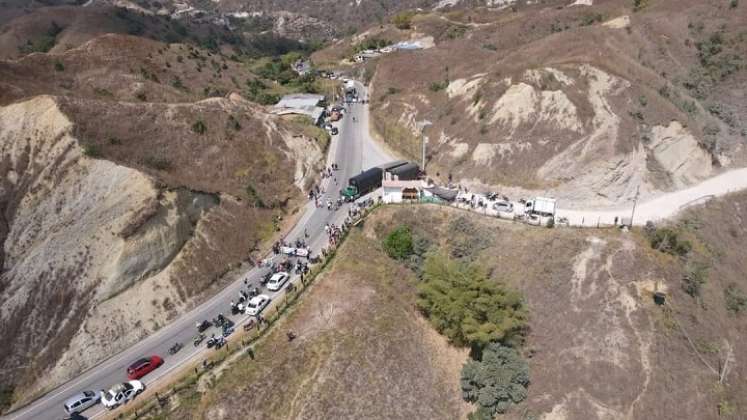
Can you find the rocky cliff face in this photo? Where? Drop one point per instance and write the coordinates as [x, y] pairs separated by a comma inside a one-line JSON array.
[[96, 254], [75, 238]]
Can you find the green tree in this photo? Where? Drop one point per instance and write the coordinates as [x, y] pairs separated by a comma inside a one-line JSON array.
[[495, 382], [398, 244], [466, 306], [403, 20]]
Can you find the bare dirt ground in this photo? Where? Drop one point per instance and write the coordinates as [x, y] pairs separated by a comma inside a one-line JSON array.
[[362, 352], [598, 346], [589, 103]]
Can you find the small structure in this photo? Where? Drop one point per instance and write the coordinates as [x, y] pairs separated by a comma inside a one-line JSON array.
[[308, 104], [440, 193], [395, 190], [542, 206], [365, 55]]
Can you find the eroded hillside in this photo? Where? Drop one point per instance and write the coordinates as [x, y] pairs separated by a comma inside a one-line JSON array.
[[598, 345], [120, 211], [592, 101]]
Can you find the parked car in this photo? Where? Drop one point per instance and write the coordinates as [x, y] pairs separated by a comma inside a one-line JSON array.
[[277, 281], [256, 304], [143, 366], [82, 401], [121, 393], [503, 206]]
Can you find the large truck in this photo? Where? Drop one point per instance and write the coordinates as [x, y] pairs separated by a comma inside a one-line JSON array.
[[369, 180], [406, 172], [362, 184]]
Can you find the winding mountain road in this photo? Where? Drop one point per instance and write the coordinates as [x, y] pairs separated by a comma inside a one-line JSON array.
[[663, 206], [353, 150]]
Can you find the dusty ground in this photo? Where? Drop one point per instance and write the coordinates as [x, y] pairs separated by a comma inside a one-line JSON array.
[[598, 346], [362, 352], [589, 103]]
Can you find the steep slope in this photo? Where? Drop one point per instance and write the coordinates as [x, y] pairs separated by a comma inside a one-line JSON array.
[[598, 346], [592, 103], [121, 210]]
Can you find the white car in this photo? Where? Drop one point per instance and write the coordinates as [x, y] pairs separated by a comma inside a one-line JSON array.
[[121, 393], [277, 281], [256, 304]]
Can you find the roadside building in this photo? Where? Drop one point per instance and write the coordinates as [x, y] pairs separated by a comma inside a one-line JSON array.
[[308, 104], [394, 190]]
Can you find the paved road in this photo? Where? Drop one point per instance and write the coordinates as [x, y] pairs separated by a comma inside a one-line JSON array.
[[353, 150]]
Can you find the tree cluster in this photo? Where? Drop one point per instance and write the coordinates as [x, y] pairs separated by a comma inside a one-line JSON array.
[[495, 382], [466, 306]]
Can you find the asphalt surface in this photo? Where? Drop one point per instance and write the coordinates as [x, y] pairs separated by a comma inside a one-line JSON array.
[[353, 150]]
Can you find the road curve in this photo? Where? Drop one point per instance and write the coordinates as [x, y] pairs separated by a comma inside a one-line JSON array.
[[353, 150], [663, 206]]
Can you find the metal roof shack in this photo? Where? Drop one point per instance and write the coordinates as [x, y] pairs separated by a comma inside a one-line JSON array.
[[543, 206], [302, 104]]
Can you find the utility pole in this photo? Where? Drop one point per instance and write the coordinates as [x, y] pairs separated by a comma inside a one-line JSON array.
[[422, 125], [635, 202]]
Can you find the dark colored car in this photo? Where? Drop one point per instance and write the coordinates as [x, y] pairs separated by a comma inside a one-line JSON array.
[[143, 367]]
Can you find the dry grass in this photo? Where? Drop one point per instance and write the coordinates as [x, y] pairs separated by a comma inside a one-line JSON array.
[[361, 351]]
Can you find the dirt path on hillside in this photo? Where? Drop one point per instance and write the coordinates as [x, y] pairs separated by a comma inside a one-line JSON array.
[[663, 206]]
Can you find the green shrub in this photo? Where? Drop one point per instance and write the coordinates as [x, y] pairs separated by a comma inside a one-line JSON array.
[[736, 299], [639, 5], [254, 197], [591, 18], [176, 82], [456, 31], [58, 66], [398, 244], [439, 86], [199, 127], [6, 396], [695, 277], [491, 47], [403, 20], [466, 306], [141, 96], [667, 240], [158, 163], [91, 150], [495, 382]]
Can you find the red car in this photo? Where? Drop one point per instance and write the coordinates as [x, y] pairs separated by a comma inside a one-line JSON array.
[[143, 367]]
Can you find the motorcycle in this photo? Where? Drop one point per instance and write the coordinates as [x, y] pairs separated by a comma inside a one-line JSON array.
[[219, 320], [228, 330], [175, 348], [199, 338], [202, 326], [216, 342]]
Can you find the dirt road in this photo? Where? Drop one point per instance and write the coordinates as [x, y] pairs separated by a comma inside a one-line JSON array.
[[663, 206]]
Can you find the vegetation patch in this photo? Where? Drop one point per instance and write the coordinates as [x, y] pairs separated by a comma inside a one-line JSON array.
[[495, 382], [467, 307]]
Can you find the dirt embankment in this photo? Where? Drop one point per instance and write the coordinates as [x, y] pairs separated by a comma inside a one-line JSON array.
[[598, 346], [591, 103], [119, 216]]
